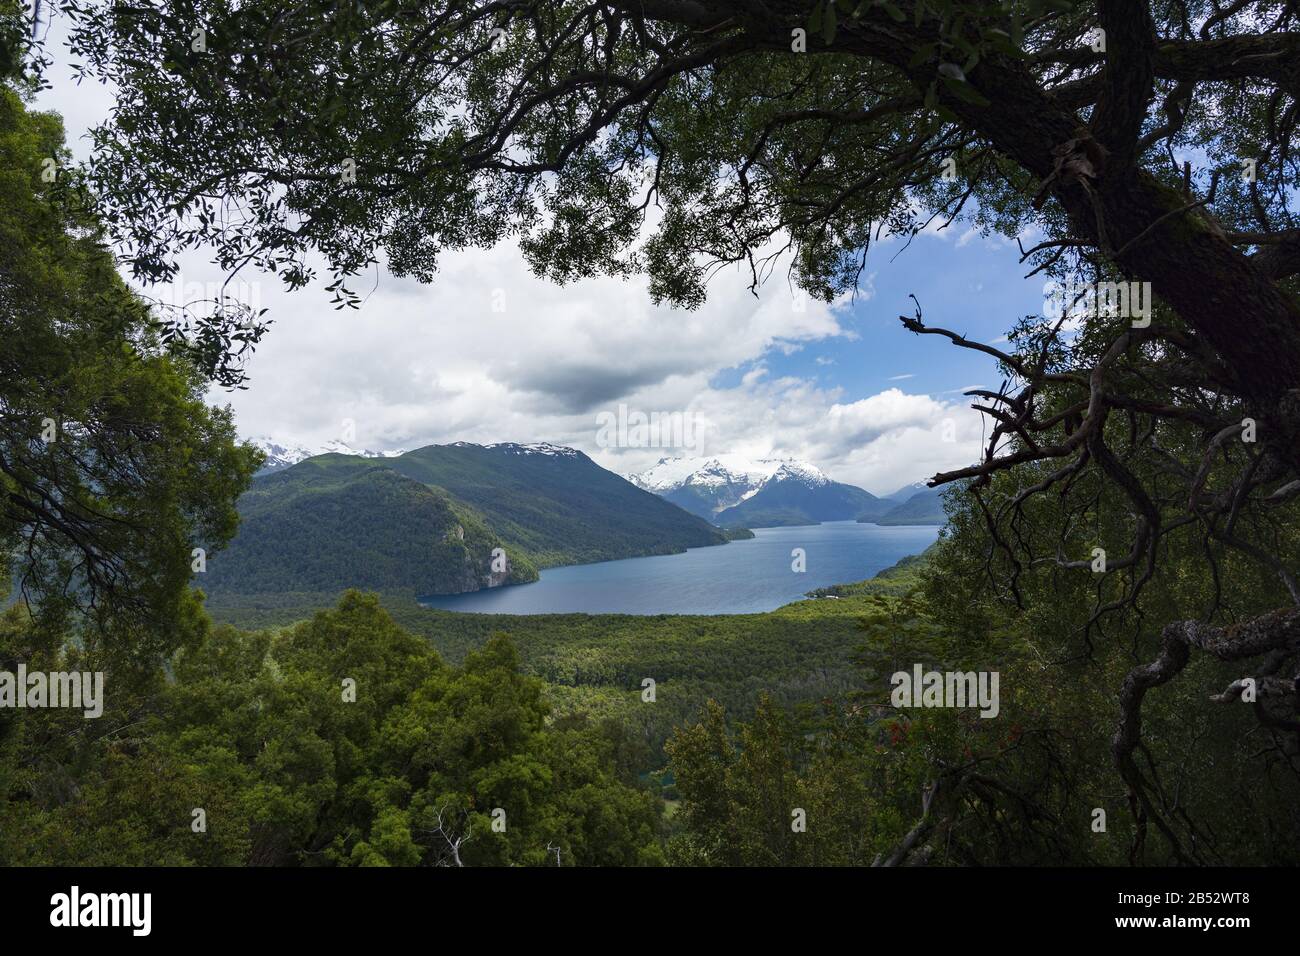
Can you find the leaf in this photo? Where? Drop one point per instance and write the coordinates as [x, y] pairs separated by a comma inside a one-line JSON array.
[[922, 55], [829, 23], [895, 14], [966, 92], [815, 20]]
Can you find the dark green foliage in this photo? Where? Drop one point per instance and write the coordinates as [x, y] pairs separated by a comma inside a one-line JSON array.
[[798, 654], [255, 729], [1019, 789], [310, 528], [112, 465]]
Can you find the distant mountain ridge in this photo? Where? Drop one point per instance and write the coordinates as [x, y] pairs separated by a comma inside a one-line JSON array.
[[280, 456], [924, 507], [735, 491], [431, 519], [707, 486], [797, 495], [906, 492]]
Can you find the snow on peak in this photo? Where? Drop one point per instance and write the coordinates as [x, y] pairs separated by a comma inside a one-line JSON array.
[[721, 471], [672, 473], [794, 470], [533, 448], [337, 447], [281, 455]]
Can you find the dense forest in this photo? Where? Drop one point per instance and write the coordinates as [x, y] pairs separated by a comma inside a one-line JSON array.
[[1122, 555], [369, 528]]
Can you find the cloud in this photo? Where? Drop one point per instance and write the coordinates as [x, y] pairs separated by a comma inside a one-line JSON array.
[[879, 442], [489, 352]]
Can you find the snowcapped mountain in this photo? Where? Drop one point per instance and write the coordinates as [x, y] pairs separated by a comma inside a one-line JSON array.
[[336, 447], [734, 491], [798, 493], [707, 486], [802, 472], [279, 455], [532, 448]]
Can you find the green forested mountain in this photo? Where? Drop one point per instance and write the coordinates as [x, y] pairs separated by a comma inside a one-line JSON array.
[[428, 521], [319, 528], [556, 504], [924, 507]]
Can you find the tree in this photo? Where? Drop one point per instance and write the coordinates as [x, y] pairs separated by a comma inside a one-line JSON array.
[[672, 137], [113, 468], [421, 764]]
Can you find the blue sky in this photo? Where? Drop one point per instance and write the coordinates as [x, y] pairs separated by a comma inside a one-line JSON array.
[[973, 286]]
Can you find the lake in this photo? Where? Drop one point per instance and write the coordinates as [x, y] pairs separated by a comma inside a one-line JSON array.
[[741, 577]]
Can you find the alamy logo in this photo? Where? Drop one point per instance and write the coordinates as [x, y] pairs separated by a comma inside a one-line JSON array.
[[103, 909], [78, 690], [635, 429], [921, 688], [1085, 300]]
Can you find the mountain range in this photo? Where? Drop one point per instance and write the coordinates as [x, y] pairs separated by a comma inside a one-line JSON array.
[[733, 491], [280, 456], [431, 521]]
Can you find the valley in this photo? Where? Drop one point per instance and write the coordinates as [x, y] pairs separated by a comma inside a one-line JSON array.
[[465, 519], [773, 567], [797, 654]]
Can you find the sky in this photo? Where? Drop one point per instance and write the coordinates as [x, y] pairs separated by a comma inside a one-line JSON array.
[[489, 352]]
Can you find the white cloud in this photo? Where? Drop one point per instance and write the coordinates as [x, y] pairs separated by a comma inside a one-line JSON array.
[[420, 364]]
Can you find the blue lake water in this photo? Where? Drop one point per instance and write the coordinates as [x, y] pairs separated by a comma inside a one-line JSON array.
[[740, 577]]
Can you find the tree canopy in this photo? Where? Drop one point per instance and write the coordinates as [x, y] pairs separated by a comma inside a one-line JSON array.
[[113, 468]]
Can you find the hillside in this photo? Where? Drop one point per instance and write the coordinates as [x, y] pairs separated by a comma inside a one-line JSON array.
[[798, 654], [556, 504], [924, 507], [314, 529], [428, 520]]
